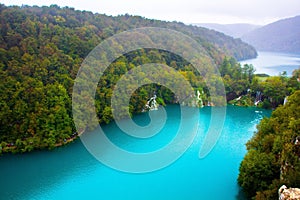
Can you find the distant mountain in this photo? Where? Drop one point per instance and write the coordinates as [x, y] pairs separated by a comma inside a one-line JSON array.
[[280, 36], [233, 30]]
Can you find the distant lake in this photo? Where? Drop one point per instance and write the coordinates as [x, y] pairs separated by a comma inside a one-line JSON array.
[[70, 172], [273, 63]]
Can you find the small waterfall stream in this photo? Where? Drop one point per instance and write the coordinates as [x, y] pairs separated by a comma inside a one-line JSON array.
[[285, 100], [200, 101], [195, 101], [151, 104], [257, 98]]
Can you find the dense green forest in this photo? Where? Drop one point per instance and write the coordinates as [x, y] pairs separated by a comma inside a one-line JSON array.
[[42, 48], [273, 157]]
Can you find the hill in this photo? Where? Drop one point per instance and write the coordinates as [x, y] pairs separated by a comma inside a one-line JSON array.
[[233, 30], [42, 48], [102, 26], [280, 36]]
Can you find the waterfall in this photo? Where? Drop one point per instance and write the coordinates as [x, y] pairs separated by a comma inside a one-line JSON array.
[[257, 98], [194, 100], [239, 98], [199, 99], [151, 104], [285, 100]]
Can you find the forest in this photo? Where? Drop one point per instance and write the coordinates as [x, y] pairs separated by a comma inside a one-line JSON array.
[[41, 51], [273, 153]]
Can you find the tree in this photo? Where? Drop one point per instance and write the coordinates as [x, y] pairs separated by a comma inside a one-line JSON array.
[[275, 89], [273, 156], [257, 171], [41, 51]]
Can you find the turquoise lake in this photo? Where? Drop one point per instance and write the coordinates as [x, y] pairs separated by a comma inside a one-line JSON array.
[[71, 172]]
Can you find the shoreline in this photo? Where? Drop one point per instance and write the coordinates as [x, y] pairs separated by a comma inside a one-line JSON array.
[[9, 149], [69, 140]]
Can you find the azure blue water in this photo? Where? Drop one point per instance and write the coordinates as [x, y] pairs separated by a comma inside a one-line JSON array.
[[70, 172], [273, 63]]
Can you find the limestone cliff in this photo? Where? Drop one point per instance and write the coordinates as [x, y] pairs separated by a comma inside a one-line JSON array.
[[288, 193]]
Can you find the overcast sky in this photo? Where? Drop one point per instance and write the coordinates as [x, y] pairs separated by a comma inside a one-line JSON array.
[[187, 11]]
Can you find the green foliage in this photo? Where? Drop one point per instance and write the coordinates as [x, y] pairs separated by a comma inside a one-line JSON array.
[[41, 50], [160, 101], [243, 101], [275, 89], [257, 171], [273, 156], [259, 90], [237, 78]]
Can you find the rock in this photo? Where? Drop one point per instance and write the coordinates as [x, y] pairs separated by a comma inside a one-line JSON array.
[[288, 193]]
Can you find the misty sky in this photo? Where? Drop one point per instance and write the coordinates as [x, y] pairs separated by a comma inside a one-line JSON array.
[[187, 11]]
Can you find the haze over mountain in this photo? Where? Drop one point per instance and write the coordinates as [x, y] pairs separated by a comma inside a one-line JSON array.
[[234, 30], [280, 36]]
